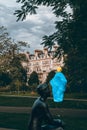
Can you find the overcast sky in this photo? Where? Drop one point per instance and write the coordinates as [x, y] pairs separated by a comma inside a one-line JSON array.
[[30, 30]]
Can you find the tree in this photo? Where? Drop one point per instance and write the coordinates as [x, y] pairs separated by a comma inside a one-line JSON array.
[[50, 76], [71, 35], [13, 73], [76, 57], [17, 71], [10, 60], [18, 74], [5, 79], [5, 40], [33, 80], [7, 45]]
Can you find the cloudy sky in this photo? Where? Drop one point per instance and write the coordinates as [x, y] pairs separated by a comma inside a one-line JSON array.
[[30, 30]]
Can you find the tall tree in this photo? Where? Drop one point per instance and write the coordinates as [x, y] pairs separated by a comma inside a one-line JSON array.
[[76, 58], [5, 40], [17, 71], [50, 76], [71, 35], [33, 79], [5, 79], [10, 64], [7, 45]]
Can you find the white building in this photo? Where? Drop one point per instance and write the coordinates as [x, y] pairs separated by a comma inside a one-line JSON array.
[[42, 62]]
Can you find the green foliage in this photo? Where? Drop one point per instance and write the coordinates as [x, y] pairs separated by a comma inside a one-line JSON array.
[[32, 5], [15, 85], [33, 79], [5, 40], [8, 46], [27, 7], [50, 76], [11, 71], [33, 88], [5, 79], [76, 58], [22, 57], [13, 74], [17, 72]]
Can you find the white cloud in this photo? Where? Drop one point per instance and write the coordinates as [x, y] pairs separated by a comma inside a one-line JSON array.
[[9, 3], [30, 30], [35, 19]]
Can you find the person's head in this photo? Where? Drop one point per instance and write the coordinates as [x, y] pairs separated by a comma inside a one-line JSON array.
[[59, 69], [43, 90]]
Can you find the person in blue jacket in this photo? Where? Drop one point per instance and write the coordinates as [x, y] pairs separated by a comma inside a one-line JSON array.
[[58, 84]]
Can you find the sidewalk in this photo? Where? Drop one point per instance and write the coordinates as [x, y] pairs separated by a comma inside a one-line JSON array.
[[54, 111]]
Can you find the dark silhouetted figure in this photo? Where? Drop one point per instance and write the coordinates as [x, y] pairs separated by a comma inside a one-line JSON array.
[[40, 112]]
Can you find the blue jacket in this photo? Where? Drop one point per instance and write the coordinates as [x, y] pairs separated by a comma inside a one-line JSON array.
[[58, 84]]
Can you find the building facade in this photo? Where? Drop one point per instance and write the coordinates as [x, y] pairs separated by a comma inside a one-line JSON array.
[[42, 62]]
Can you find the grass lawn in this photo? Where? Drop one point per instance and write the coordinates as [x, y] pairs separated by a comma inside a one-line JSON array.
[[14, 121], [20, 121]]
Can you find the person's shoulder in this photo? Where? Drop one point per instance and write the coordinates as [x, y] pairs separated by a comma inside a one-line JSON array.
[[59, 73]]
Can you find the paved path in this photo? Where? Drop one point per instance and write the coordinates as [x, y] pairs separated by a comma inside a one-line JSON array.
[[54, 111]]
